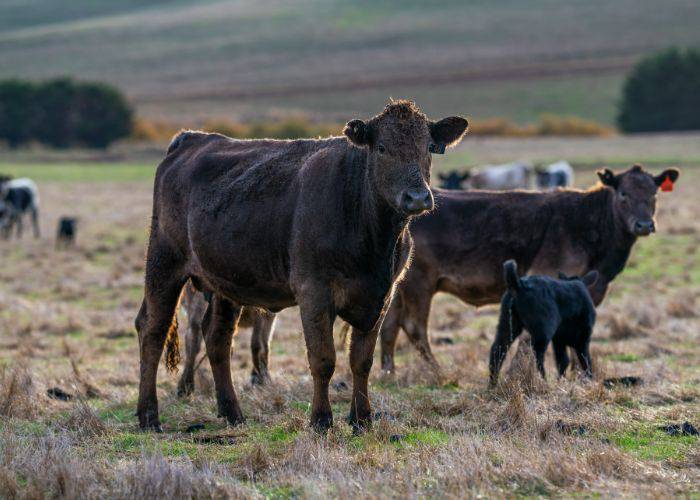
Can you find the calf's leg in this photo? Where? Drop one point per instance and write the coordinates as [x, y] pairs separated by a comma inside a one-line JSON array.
[[560, 355], [509, 328], [317, 316], [220, 323], [263, 327]]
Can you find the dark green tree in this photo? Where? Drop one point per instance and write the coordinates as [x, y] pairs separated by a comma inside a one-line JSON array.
[[63, 113], [662, 93], [17, 111]]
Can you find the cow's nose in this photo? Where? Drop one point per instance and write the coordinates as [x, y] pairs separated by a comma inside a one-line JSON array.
[[643, 228], [415, 201]]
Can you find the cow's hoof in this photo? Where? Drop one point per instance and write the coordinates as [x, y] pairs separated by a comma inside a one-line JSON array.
[[185, 387], [321, 423], [259, 379], [152, 427], [235, 420]]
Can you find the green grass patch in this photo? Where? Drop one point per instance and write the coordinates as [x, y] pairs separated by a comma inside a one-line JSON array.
[[651, 443], [81, 172], [624, 358]]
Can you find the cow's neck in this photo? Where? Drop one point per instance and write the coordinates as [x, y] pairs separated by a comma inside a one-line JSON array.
[[377, 228], [615, 242]]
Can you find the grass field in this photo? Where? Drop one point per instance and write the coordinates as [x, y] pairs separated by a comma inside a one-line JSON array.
[[186, 60], [66, 321]]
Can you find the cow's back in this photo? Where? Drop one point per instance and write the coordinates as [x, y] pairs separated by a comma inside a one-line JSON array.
[[464, 242]]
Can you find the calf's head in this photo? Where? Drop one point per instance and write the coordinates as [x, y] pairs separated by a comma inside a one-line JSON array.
[[453, 179], [634, 202], [398, 142]]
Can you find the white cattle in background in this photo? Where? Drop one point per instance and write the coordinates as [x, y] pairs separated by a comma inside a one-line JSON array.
[[514, 175], [556, 175]]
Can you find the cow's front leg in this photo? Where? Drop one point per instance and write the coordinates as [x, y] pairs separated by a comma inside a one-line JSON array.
[[361, 358], [317, 316]]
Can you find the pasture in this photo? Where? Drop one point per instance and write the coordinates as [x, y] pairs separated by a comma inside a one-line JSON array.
[[66, 321], [243, 60]]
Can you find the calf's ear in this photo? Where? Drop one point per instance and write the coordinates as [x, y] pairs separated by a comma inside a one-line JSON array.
[[562, 276], [358, 132], [590, 278], [465, 176], [448, 131], [607, 177], [670, 173]]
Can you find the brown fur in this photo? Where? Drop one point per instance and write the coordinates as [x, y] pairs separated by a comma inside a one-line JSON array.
[[460, 247]]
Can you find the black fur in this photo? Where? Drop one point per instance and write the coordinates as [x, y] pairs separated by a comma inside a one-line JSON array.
[[560, 311]]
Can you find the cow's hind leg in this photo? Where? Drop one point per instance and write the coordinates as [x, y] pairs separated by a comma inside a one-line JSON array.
[[35, 222], [389, 333], [361, 358], [560, 354], [193, 343], [415, 324], [220, 324], [263, 327], [155, 321]]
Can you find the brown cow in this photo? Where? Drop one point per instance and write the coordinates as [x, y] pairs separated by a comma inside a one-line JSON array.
[[195, 305], [461, 246], [267, 223]]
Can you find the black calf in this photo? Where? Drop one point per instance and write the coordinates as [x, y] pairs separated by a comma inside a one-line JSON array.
[[453, 179], [65, 234], [560, 311]]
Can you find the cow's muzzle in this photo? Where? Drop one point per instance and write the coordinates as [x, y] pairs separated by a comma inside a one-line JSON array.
[[416, 201], [644, 228]]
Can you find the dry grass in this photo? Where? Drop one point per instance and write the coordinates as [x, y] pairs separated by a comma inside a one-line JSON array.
[[66, 321]]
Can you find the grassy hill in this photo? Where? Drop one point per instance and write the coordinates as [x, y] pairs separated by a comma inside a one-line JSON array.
[[250, 59]]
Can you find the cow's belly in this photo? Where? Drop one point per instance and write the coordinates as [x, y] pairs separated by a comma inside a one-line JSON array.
[[477, 292], [565, 259]]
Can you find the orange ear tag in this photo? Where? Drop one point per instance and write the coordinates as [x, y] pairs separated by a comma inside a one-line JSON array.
[[667, 184]]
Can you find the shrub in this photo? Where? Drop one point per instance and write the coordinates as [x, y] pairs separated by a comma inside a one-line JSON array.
[[63, 113], [662, 93]]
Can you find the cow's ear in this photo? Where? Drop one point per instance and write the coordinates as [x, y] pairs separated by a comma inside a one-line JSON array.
[[607, 177], [670, 173], [443, 177], [448, 131], [590, 278], [562, 276], [465, 176], [358, 132]]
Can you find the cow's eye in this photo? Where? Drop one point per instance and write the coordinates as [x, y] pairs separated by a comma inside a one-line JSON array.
[[623, 195], [381, 148]]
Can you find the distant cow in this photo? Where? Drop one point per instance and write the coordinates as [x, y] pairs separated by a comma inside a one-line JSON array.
[[460, 247], [502, 177], [453, 179], [266, 223], [556, 175], [195, 305], [66, 231], [18, 197], [551, 310]]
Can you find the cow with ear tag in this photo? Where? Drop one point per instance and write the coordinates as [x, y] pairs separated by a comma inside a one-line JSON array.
[[634, 203], [460, 247]]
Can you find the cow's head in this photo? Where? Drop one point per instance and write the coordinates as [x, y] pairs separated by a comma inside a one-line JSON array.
[[398, 141], [635, 190], [453, 179]]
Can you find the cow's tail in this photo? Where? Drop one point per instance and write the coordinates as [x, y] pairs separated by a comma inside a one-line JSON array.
[[172, 347], [510, 275]]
